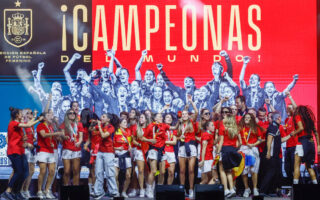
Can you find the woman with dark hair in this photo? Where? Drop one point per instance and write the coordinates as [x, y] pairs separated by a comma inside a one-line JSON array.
[[102, 148], [137, 133], [71, 153], [169, 155], [45, 156], [250, 137], [87, 117], [16, 152], [122, 145], [187, 150], [304, 119], [229, 140]]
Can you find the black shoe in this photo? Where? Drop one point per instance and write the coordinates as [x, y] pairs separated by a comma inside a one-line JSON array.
[[8, 196]]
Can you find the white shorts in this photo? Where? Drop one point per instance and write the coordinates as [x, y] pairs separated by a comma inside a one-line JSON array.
[[30, 157], [170, 157], [207, 167], [138, 155], [152, 154], [127, 160], [56, 155], [199, 151], [45, 157], [68, 154], [252, 152], [182, 151], [133, 153], [299, 150]]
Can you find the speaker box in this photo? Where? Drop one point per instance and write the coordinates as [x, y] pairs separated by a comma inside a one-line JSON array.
[[74, 192], [212, 191], [305, 191], [165, 192]]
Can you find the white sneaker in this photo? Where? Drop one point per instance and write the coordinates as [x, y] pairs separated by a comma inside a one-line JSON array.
[[40, 195], [133, 193], [226, 192], [150, 194], [124, 194], [255, 192], [142, 193], [49, 195], [191, 194], [232, 193], [25, 194], [246, 193]]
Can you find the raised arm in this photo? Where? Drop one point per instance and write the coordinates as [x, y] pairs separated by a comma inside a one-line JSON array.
[[196, 112], [246, 60], [270, 106], [139, 64], [294, 105], [48, 103], [30, 123], [228, 61], [119, 66], [167, 81], [111, 54], [66, 69], [292, 84]]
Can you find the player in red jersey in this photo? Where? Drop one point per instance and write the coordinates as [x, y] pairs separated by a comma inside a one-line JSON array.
[[139, 157], [207, 152], [304, 119], [71, 153], [187, 151], [15, 151]]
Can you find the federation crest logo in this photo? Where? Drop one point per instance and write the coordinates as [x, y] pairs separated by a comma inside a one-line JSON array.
[[17, 26]]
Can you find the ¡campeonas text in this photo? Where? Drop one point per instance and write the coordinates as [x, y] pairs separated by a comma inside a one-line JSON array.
[[211, 26]]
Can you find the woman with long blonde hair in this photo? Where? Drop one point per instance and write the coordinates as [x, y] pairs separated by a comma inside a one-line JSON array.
[[187, 149], [71, 153], [138, 132], [229, 140]]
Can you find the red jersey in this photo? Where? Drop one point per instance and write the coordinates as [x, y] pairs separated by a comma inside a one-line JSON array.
[[45, 143], [189, 136], [15, 139], [226, 140], [135, 134], [169, 137], [122, 139], [303, 132], [106, 145], [158, 132], [73, 136], [85, 134], [264, 125], [133, 128], [30, 134], [207, 136], [289, 128], [238, 118], [253, 137]]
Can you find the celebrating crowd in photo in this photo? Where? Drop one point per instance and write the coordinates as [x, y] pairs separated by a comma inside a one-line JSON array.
[[133, 136]]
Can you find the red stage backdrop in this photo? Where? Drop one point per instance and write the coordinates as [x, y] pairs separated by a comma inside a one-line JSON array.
[[187, 36]]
